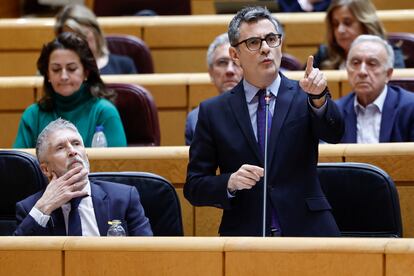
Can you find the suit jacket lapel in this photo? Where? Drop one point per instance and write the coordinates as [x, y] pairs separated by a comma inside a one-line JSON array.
[[388, 115], [282, 105], [241, 114], [350, 135], [101, 208]]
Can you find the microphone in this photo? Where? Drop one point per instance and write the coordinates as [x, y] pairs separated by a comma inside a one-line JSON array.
[[267, 100]]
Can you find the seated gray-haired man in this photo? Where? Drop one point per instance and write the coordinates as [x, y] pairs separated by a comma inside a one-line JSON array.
[[375, 111], [224, 74], [71, 204]]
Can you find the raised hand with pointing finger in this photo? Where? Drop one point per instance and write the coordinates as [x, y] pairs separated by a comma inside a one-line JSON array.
[[314, 83]]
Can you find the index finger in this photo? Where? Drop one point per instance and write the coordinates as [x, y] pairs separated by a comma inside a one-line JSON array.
[[309, 66], [253, 169], [72, 172]]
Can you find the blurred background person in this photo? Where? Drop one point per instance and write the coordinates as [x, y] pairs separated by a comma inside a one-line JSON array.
[[79, 19], [73, 90], [375, 111], [224, 74], [303, 5], [346, 20]]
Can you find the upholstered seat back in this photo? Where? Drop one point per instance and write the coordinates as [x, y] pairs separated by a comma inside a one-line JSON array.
[[290, 63], [406, 83], [20, 176], [138, 113], [364, 199], [133, 47], [158, 197], [406, 42]]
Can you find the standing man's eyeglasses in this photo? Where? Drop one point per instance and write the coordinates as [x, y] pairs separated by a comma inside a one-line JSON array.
[[255, 43]]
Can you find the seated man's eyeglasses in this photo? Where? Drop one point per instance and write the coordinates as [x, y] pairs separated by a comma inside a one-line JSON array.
[[255, 43]]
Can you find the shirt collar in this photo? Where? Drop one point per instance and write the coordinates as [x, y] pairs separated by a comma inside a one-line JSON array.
[[251, 90], [87, 188], [379, 101]]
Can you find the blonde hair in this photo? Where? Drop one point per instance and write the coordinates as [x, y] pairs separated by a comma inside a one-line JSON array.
[[77, 17], [365, 12]]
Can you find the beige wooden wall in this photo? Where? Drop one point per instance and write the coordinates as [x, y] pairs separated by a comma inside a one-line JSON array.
[[174, 94], [177, 43], [178, 256], [207, 6]]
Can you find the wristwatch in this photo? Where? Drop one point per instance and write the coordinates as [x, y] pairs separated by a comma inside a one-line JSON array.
[[317, 97]]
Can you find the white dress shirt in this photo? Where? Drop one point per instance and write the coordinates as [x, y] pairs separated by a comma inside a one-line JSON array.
[[369, 119], [86, 213]]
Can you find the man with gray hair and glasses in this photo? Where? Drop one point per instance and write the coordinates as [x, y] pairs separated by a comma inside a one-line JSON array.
[[375, 112], [227, 153], [224, 74], [71, 204]]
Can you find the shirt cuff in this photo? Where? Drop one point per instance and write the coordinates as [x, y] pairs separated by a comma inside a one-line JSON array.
[[39, 217], [231, 194], [318, 111], [305, 5]]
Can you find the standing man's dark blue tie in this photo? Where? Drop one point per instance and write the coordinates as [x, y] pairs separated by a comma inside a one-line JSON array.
[[261, 134], [74, 222], [261, 120]]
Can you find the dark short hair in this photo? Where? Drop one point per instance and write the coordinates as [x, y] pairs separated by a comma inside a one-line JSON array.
[[248, 15], [75, 43]]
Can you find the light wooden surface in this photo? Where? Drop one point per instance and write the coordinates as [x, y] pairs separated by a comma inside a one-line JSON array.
[[207, 6], [144, 256], [205, 256], [178, 43], [33, 256]]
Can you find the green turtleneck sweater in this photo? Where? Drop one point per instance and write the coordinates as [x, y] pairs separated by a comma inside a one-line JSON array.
[[82, 109]]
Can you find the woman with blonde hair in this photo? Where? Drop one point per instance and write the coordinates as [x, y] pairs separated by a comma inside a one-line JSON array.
[[81, 20], [345, 21]]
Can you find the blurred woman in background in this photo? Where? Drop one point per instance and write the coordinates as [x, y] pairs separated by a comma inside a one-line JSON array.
[[346, 20], [79, 19]]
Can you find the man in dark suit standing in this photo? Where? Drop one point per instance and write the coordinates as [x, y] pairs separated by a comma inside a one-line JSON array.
[[71, 204], [230, 135], [375, 112]]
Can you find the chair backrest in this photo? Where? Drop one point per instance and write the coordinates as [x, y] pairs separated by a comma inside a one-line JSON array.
[[20, 176], [158, 197], [131, 7], [290, 63], [364, 199], [406, 83], [406, 42], [139, 114], [133, 47]]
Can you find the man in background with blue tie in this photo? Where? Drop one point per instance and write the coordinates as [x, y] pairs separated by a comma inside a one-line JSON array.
[[71, 204], [230, 136]]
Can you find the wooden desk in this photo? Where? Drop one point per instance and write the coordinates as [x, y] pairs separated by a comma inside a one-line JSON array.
[[35, 256], [181, 256], [178, 43]]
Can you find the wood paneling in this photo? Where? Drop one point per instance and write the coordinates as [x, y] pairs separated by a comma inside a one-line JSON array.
[[178, 43], [31, 256]]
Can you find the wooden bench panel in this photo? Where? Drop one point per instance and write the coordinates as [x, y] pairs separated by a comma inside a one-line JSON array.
[[144, 256], [304, 257], [178, 43], [21, 256]]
